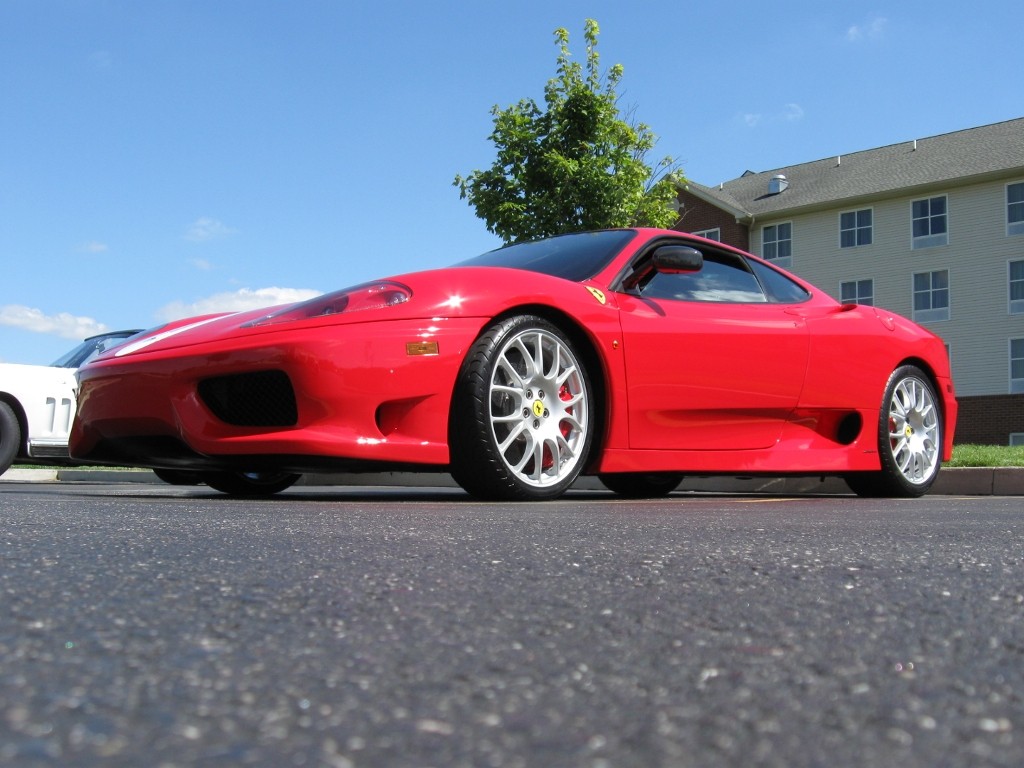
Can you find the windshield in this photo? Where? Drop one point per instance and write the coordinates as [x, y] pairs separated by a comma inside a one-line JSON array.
[[90, 348], [572, 257]]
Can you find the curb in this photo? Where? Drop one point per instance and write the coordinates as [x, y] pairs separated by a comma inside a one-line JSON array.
[[958, 481]]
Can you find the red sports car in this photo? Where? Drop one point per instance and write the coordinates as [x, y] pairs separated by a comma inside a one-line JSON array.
[[637, 355]]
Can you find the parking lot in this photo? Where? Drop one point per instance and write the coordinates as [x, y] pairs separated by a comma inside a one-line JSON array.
[[366, 626]]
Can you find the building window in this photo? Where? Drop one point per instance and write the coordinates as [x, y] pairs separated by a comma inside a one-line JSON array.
[[857, 292], [855, 228], [777, 243], [931, 296], [1016, 438], [1016, 366], [1016, 287], [710, 234], [1015, 208], [928, 218]]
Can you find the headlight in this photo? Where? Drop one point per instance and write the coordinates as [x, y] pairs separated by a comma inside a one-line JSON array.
[[375, 295]]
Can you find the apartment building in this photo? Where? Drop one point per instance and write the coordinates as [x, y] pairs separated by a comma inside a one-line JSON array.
[[931, 228]]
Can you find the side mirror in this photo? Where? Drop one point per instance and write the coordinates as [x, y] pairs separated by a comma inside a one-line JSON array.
[[676, 259]]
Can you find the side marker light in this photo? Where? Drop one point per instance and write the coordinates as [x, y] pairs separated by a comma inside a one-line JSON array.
[[420, 348]]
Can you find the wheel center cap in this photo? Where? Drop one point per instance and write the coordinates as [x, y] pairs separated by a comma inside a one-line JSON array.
[[538, 408], [909, 431]]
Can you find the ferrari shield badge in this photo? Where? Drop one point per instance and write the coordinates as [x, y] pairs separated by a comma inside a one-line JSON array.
[[599, 295]]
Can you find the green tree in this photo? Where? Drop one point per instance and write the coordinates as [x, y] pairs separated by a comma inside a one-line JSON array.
[[578, 164]]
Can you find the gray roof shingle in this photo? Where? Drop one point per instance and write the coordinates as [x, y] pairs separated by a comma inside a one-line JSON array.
[[990, 150]]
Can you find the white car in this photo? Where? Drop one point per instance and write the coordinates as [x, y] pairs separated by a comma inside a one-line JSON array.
[[37, 403]]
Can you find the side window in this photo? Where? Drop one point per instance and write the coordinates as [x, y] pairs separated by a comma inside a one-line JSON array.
[[724, 278], [780, 289]]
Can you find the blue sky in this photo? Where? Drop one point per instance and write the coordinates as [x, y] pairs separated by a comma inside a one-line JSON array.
[[169, 157]]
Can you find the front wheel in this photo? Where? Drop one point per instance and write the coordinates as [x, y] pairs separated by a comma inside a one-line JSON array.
[[179, 476], [641, 485], [10, 436], [249, 483], [522, 414], [909, 439]]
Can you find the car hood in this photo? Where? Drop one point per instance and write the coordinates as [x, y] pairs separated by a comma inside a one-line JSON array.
[[436, 294]]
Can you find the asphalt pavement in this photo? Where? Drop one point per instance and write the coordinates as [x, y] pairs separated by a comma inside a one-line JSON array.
[[959, 481], [173, 627]]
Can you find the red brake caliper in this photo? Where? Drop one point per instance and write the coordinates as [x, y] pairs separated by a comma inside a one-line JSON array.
[[564, 395]]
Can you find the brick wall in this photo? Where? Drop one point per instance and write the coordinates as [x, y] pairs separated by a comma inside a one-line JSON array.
[[989, 419], [696, 215]]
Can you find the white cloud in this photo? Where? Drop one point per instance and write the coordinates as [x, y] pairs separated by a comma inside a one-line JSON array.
[[790, 113], [63, 324], [201, 264], [205, 228], [95, 247], [237, 301], [873, 30]]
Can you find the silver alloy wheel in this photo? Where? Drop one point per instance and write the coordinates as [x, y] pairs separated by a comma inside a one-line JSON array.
[[914, 430], [538, 408]]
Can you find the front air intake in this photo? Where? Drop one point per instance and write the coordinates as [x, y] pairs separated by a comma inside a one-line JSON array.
[[258, 399]]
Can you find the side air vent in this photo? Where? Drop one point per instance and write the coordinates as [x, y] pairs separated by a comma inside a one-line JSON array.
[[258, 399], [849, 428]]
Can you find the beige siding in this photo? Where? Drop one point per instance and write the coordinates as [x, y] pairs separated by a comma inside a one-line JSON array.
[[976, 257]]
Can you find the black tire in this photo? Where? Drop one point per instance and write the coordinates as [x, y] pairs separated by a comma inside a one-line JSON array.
[[179, 476], [909, 439], [10, 437], [250, 484], [642, 485], [520, 431]]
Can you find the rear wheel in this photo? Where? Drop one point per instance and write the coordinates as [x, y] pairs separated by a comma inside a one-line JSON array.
[[249, 483], [642, 485], [909, 439], [522, 414], [179, 476], [10, 437]]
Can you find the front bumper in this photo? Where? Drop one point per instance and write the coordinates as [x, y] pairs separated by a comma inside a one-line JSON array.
[[361, 393]]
